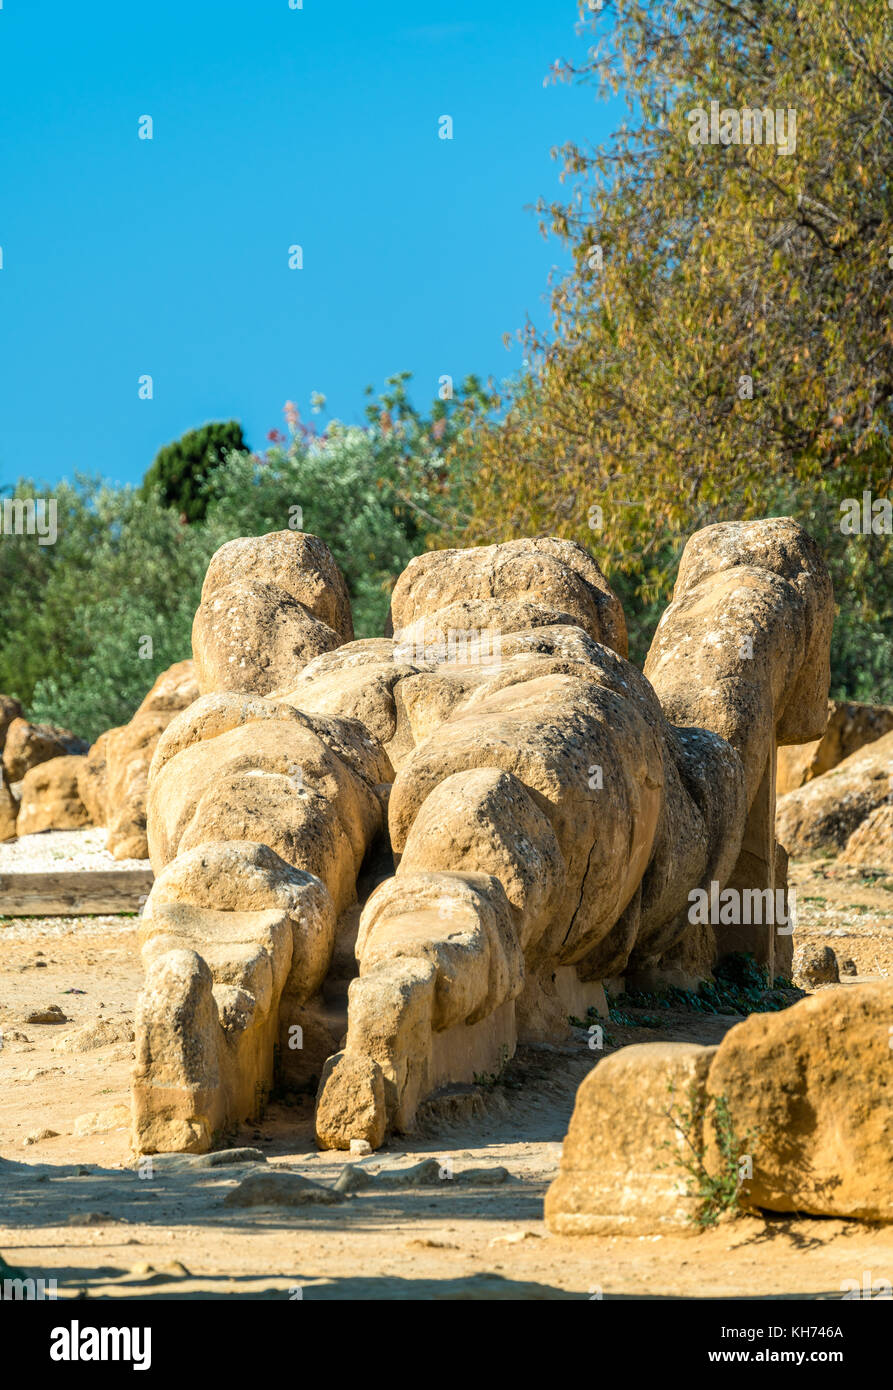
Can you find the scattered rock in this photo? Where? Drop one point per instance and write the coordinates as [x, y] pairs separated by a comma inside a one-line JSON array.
[[823, 815], [274, 1189], [821, 1113], [101, 1121], [516, 1237], [10, 709], [27, 745], [52, 1014], [91, 1036], [95, 1218], [360, 1146], [807, 1094], [50, 797], [850, 727], [871, 843], [848, 967], [816, 965], [9, 809], [617, 1173], [38, 1135], [217, 1158]]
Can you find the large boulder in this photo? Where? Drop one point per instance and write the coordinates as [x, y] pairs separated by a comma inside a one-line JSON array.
[[50, 797], [620, 1171], [93, 779], [821, 816], [821, 1113], [29, 744], [10, 709], [128, 750], [871, 844], [9, 809], [850, 726], [270, 604], [797, 1104]]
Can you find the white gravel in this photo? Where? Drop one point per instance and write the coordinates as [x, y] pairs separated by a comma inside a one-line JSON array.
[[30, 928], [55, 851]]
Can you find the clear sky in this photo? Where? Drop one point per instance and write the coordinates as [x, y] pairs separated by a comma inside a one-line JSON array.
[[272, 127]]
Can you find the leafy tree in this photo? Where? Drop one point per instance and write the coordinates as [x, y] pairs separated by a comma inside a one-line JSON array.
[[373, 494], [123, 569], [722, 347], [181, 470], [91, 620]]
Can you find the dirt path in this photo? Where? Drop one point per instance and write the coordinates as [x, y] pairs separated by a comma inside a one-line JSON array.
[[73, 1206]]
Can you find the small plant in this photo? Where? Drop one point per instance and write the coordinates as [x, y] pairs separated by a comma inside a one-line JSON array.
[[489, 1079], [741, 987], [593, 1016], [716, 1192]]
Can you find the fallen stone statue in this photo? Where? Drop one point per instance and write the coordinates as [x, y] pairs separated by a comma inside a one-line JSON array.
[[380, 863]]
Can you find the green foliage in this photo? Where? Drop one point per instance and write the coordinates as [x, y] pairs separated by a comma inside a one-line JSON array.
[[372, 494], [716, 1192], [720, 264], [180, 472], [740, 986], [125, 567]]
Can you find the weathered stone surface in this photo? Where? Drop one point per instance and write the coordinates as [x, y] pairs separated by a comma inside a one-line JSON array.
[[231, 934], [272, 1189], [808, 1092], [850, 726], [484, 821], [820, 817], [270, 604], [27, 745], [10, 709], [351, 1102], [89, 1037], [243, 877], [815, 965], [355, 681], [462, 924], [547, 816], [237, 769], [50, 797], [620, 1173], [93, 780], [254, 637], [822, 1111], [743, 649], [871, 843], [128, 753], [520, 584], [179, 1104], [9, 809], [296, 562]]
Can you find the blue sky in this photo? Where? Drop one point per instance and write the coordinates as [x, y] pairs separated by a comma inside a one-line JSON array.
[[272, 127]]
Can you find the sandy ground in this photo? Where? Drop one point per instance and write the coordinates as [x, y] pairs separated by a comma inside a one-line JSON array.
[[73, 1205]]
